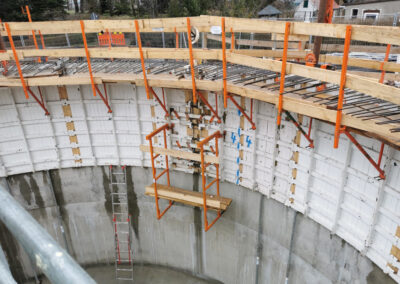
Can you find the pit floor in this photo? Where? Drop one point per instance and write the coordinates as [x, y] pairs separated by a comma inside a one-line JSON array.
[[142, 274]]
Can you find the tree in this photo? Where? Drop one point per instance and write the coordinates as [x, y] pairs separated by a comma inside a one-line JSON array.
[[40, 10], [76, 6]]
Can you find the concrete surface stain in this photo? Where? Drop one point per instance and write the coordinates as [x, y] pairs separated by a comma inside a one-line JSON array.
[[24, 187], [38, 197], [59, 196], [132, 202], [198, 227], [107, 192], [377, 276]]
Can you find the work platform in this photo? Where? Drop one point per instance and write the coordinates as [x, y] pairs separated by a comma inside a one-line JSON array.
[[189, 197]]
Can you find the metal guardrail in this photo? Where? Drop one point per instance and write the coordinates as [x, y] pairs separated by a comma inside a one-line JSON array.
[[55, 262]]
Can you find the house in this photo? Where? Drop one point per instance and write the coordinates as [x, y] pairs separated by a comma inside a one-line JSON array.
[[269, 12], [306, 10], [370, 9]]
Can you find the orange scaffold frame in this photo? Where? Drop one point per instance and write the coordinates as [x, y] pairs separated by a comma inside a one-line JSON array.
[[204, 166]]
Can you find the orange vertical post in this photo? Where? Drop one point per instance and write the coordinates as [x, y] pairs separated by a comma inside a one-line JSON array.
[[232, 40], [146, 85], [381, 79], [347, 42], [88, 57], [16, 60], [176, 38], [33, 32], [224, 63], [189, 29], [283, 72]]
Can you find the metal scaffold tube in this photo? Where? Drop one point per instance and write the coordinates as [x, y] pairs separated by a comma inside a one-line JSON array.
[[55, 262], [5, 272]]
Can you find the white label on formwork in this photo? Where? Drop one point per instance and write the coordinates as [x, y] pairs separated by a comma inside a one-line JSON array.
[[216, 30], [157, 29]]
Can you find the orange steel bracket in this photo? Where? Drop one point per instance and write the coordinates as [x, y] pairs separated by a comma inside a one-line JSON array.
[[146, 85], [159, 101], [362, 150], [383, 63], [224, 63], [305, 134], [347, 42], [205, 186], [95, 89], [283, 72], [189, 29], [215, 112], [149, 137], [232, 40], [249, 118]]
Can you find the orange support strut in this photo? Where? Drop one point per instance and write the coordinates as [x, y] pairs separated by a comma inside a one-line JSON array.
[[176, 38], [189, 29], [232, 40], [224, 63], [283, 72], [149, 137], [146, 85], [383, 63], [33, 32], [16, 60], [347, 42], [200, 145]]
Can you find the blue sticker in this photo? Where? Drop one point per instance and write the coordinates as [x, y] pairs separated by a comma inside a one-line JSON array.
[[239, 131], [237, 181], [237, 173], [238, 146], [237, 160], [239, 113]]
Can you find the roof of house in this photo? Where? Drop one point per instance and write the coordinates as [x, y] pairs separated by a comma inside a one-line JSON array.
[[269, 11], [358, 2]]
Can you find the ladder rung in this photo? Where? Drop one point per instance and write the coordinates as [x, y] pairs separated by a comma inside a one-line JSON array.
[[127, 279], [119, 203], [118, 173], [118, 183], [124, 269], [119, 193]]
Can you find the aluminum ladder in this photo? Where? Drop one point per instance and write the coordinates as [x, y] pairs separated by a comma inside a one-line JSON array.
[[121, 220]]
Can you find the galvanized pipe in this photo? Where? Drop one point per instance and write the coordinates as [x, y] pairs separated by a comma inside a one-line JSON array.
[[5, 272], [55, 262]]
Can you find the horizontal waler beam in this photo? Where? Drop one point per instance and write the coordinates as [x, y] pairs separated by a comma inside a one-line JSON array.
[[291, 103], [377, 34], [354, 82], [180, 154]]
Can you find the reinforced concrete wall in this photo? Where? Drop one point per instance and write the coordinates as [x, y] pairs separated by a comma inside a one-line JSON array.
[[252, 242]]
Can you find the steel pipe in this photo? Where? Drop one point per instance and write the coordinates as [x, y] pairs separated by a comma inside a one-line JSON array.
[[5, 272], [55, 262]]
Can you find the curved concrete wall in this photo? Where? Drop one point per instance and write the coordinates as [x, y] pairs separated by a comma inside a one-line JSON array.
[[251, 243]]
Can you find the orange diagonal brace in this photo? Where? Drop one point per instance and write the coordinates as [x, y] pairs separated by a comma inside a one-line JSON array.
[[347, 42], [16, 60], [383, 63], [146, 85], [189, 29], [283, 72], [224, 63], [88, 57]]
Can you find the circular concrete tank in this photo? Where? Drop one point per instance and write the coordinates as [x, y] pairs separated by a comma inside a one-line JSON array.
[[258, 240]]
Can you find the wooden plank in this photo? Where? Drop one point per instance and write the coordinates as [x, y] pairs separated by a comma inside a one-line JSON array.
[[364, 63], [378, 34], [394, 268], [398, 232], [188, 197], [180, 154]]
